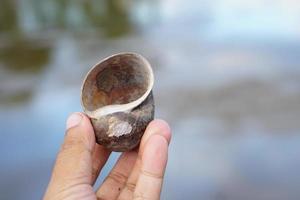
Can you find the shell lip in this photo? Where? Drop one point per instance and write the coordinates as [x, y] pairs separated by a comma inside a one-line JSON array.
[[110, 109]]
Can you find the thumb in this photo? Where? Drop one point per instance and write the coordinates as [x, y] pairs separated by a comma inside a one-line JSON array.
[[74, 161]]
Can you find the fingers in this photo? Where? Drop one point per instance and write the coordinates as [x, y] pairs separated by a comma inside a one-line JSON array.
[[159, 127], [99, 157], [129, 187], [74, 163], [75, 156], [156, 127], [115, 181], [154, 161]]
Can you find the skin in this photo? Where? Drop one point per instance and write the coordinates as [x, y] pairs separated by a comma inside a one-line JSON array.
[[137, 174]]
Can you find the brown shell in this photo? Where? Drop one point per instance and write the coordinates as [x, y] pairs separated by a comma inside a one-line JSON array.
[[122, 79]]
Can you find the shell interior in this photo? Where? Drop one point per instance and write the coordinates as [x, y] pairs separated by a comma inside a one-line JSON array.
[[116, 84]]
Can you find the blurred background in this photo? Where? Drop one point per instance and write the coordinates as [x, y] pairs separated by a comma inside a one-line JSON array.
[[227, 80]]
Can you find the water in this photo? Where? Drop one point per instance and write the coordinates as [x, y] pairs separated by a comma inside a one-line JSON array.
[[227, 80]]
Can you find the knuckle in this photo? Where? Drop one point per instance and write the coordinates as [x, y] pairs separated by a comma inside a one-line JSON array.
[[127, 192], [130, 186], [139, 196], [72, 141], [151, 174], [117, 177], [71, 149]]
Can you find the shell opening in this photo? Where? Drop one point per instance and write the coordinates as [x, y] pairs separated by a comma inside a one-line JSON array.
[[117, 84]]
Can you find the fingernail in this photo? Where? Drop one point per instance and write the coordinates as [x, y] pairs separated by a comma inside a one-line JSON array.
[[74, 120]]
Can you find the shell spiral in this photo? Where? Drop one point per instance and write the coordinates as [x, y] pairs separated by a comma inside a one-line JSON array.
[[117, 96]]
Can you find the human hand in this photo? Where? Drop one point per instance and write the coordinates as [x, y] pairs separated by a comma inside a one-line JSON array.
[[138, 174]]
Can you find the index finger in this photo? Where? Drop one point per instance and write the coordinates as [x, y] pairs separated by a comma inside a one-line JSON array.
[[154, 161]]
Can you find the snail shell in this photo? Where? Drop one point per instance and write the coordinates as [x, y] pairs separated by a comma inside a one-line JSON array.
[[117, 96]]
